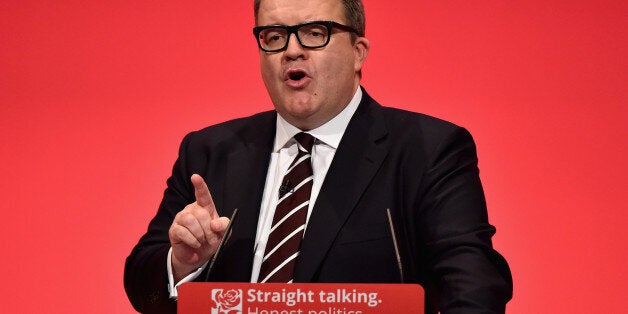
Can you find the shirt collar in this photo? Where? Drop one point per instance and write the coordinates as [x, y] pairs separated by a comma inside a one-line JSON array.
[[329, 133]]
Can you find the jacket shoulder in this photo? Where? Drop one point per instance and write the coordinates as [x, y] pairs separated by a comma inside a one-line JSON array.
[[413, 127], [403, 119]]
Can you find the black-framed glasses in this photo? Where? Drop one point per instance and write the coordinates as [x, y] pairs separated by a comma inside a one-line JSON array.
[[316, 34]]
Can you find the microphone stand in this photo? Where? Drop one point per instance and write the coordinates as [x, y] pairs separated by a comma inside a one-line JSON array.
[[222, 242]]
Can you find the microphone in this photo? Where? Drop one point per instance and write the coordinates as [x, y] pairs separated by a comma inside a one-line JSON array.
[[394, 238], [285, 188], [222, 242]]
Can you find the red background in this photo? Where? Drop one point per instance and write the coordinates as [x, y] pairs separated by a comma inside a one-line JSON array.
[[95, 97]]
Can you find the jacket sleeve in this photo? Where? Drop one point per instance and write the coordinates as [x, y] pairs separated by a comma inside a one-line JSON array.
[[468, 274]]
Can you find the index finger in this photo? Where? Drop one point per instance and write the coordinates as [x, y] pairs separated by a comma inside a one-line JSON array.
[[202, 195]]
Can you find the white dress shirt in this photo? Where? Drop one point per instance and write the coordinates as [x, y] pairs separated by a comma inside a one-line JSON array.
[[285, 149]]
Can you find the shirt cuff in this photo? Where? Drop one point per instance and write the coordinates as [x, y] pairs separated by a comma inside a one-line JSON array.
[[172, 288]]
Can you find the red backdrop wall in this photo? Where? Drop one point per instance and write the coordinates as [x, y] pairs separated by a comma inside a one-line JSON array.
[[96, 95]]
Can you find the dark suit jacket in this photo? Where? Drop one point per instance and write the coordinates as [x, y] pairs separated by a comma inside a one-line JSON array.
[[423, 169]]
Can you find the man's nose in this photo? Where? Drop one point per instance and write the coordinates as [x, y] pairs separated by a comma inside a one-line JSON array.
[[294, 50]]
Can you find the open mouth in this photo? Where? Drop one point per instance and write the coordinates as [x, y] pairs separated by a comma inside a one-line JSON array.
[[296, 75]]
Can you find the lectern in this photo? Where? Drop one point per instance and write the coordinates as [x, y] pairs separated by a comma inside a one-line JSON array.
[[299, 298]]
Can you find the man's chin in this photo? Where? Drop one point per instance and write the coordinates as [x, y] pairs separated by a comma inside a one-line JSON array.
[[298, 104], [302, 116]]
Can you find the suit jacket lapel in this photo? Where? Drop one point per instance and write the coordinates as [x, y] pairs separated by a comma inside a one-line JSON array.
[[246, 169], [359, 155]]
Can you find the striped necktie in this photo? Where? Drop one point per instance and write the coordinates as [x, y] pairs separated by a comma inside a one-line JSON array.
[[284, 240]]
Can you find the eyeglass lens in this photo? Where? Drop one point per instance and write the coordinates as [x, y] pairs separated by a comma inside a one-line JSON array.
[[309, 35]]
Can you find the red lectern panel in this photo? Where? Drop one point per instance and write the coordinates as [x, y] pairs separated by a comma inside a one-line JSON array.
[[299, 298]]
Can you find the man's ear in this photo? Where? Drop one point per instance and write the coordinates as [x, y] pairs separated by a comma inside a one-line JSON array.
[[361, 49]]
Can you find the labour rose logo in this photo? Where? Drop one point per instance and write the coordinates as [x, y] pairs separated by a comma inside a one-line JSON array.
[[227, 302]]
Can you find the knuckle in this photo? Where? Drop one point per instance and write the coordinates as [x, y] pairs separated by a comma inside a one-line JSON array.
[[180, 233], [176, 233], [185, 218], [201, 213]]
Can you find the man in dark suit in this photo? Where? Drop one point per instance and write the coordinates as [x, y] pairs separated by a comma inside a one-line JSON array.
[[366, 158]]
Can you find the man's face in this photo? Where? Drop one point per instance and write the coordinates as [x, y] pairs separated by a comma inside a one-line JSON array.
[[310, 86]]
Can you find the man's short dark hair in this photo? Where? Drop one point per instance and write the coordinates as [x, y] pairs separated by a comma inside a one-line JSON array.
[[354, 14]]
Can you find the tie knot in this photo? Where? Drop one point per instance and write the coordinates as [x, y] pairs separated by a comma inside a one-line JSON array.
[[305, 140]]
